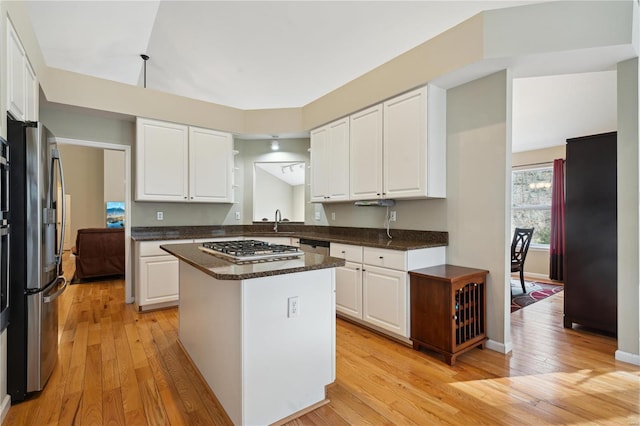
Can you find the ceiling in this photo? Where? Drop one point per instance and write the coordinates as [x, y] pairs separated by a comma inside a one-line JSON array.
[[243, 54], [265, 54], [290, 172]]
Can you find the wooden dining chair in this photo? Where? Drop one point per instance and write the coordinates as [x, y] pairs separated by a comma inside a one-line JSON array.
[[519, 249]]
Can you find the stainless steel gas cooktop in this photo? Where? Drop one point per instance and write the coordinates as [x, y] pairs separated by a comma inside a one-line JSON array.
[[250, 250]]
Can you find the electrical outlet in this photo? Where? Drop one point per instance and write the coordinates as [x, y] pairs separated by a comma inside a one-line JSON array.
[[159, 216], [393, 216], [333, 215], [293, 307], [317, 216], [237, 215]]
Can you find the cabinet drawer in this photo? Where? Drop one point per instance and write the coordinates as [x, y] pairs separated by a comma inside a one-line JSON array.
[[152, 248], [385, 258], [346, 251]]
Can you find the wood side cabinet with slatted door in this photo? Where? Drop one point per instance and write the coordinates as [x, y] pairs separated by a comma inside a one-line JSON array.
[[448, 309]]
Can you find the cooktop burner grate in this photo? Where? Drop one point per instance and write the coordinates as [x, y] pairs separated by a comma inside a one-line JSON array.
[[244, 250]]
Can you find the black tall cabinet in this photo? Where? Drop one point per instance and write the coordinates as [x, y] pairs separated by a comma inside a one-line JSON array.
[[591, 258]]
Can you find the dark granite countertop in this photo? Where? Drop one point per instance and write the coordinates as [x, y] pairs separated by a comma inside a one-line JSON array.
[[402, 239], [225, 270]]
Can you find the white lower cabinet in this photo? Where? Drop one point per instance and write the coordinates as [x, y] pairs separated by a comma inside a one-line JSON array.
[[373, 286], [385, 298], [349, 289], [156, 275]]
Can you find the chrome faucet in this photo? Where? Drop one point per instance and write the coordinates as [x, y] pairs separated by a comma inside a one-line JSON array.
[[277, 219]]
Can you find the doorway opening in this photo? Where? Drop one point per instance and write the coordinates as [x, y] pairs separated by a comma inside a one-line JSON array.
[[127, 200]]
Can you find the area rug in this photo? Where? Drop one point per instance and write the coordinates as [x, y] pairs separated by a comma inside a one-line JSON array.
[[536, 291]]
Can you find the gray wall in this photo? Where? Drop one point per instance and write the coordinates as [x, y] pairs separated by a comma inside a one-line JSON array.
[[83, 169]]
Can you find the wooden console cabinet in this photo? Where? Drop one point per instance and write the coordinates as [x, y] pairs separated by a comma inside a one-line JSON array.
[[448, 309]]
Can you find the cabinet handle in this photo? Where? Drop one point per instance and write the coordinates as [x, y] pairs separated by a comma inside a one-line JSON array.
[[342, 252], [364, 270], [185, 198], [381, 257], [357, 269]]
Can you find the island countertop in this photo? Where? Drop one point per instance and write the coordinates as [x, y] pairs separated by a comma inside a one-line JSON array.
[[225, 270]]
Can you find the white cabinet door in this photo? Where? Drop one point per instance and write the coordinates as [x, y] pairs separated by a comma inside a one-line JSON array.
[[330, 162], [365, 144], [415, 144], [159, 279], [385, 297], [319, 166], [210, 166], [16, 75], [338, 159], [405, 145], [32, 94], [349, 290], [162, 156]]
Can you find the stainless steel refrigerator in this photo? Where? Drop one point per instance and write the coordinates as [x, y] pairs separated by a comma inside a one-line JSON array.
[[35, 266]]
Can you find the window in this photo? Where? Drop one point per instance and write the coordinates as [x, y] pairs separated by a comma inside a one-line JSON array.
[[531, 202]]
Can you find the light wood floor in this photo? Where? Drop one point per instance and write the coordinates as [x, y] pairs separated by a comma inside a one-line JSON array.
[[119, 367]]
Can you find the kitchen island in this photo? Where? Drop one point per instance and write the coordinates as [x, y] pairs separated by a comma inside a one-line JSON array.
[[262, 334]]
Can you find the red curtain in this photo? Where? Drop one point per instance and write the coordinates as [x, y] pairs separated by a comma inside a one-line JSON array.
[[556, 246]]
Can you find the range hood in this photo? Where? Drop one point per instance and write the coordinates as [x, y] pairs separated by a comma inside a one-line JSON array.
[[376, 203]]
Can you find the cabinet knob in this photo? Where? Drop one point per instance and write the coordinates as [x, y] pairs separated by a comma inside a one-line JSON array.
[[342, 252], [381, 257], [357, 269], [185, 198]]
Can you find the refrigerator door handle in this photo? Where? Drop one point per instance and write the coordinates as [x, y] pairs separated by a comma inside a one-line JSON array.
[[56, 156], [50, 298]]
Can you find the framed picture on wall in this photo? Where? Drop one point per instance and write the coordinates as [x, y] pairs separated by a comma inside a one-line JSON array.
[[115, 214]]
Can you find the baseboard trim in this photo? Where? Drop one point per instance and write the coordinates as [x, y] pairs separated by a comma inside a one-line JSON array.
[[536, 276], [4, 408], [499, 347], [627, 357]]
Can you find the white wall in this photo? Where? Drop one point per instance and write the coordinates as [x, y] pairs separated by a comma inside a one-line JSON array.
[[298, 203]]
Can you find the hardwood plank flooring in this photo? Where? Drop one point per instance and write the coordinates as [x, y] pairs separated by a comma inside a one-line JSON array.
[[120, 367]]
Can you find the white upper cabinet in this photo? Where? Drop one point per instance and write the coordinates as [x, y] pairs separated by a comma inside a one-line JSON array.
[[366, 154], [319, 164], [210, 166], [330, 162], [183, 164], [162, 161], [415, 144], [398, 148], [22, 84]]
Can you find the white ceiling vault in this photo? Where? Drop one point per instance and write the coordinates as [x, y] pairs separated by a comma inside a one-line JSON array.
[[280, 54], [243, 54]]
